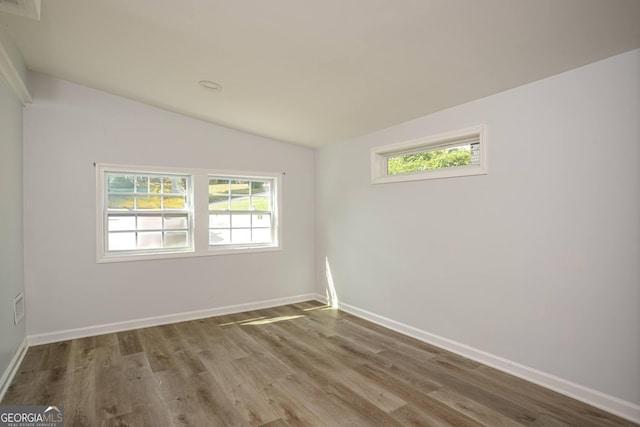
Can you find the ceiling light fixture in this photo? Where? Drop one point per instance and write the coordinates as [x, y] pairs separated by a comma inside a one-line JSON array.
[[208, 84]]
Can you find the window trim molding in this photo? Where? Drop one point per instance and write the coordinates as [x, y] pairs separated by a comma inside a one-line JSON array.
[[199, 213], [277, 212], [380, 156]]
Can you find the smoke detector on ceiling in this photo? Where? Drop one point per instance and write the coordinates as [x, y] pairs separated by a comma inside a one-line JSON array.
[[28, 8]]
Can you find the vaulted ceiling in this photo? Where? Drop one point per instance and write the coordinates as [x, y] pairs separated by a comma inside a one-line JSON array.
[[317, 72]]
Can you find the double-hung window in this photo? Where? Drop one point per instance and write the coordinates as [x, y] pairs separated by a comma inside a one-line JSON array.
[[148, 212], [241, 211]]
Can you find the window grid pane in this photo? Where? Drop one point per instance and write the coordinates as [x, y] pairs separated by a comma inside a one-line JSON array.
[[240, 211], [144, 231], [135, 212]]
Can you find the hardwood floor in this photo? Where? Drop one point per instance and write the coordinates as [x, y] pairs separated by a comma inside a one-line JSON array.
[[298, 365]]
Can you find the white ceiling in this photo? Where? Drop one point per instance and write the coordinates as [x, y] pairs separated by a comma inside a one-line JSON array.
[[317, 72]]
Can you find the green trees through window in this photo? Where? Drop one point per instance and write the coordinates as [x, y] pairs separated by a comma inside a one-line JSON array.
[[429, 160]]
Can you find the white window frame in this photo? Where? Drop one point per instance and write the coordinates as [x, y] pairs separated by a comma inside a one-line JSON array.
[[381, 155], [275, 211], [199, 214]]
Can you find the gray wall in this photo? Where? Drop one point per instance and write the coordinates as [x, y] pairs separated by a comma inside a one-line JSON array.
[[537, 262], [11, 253], [69, 127]]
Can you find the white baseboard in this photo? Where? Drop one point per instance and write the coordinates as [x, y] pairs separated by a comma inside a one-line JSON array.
[[109, 328], [12, 369], [614, 405]]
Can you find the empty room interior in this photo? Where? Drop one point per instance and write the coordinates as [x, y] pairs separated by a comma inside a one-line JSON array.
[[365, 212]]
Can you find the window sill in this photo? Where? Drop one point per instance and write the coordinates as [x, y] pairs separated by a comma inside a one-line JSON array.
[[168, 255], [431, 174]]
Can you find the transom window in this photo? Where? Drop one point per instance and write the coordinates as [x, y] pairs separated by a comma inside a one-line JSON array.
[[148, 212], [453, 154]]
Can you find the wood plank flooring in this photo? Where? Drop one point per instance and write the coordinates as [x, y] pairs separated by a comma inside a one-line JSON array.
[[297, 365]]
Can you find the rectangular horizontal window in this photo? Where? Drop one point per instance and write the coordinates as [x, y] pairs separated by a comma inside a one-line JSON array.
[[148, 212], [432, 158], [460, 153]]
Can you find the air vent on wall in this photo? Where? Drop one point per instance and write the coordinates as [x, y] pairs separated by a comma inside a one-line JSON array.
[[28, 8]]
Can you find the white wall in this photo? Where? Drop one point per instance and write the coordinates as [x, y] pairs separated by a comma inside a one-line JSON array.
[[537, 262], [69, 127], [11, 253]]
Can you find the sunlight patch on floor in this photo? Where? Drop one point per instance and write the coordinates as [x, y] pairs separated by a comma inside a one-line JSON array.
[[320, 307], [269, 320], [239, 322]]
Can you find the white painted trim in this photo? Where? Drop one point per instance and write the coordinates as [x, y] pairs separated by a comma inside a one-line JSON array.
[[614, 405], [12, 369], [108, 328], [199, 209], [11, 74]]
